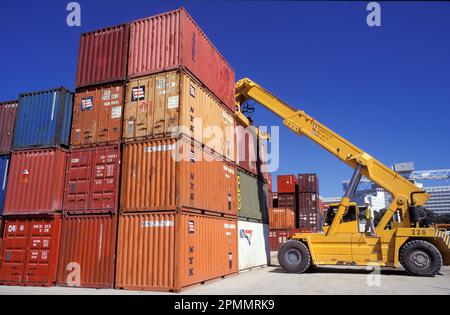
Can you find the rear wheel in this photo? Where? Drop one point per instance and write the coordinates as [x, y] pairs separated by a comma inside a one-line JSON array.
[[294, 257], [421, 258]]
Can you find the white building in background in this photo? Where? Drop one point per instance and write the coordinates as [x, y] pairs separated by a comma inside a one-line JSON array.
[[377, 198], [439, 201]]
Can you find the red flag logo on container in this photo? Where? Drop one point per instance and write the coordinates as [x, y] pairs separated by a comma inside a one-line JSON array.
[[191, 227], [87, 103], [25, 176], [246, 234], [138, 93]]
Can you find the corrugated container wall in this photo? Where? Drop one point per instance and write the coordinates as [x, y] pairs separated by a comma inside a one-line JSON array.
[[102, 56], [92, 180], [43, 119], [287, 184], [97, 115], [308, 183], [30, 250], [281, 218], [252, 198], [88, 247], [36, 182], [247, 148], [170, 40], [159, 105], [170, 174], [169, 251], [253, 245], [7, 119], [4, 170]]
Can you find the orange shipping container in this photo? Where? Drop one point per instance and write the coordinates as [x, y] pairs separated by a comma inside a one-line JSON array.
[[88, 247], [169, 251], [171, 174], [97, 115], [281, 218], [158, 105]]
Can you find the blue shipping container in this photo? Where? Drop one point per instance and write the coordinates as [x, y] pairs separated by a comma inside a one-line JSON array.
[[4, 166], [43, 119]]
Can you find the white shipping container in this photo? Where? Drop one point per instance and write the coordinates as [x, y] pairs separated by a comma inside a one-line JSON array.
[[253, 245]]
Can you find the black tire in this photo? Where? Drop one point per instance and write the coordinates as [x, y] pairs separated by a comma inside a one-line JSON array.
[[294, 257], [421, 258]]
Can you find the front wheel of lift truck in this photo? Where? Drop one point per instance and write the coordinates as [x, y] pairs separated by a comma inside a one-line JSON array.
[[294, 257]]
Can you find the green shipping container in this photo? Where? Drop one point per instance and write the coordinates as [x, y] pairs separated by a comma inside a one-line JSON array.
[[253, 198]]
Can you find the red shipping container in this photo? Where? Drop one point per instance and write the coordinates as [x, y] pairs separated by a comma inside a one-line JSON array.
[[92, 180], [7, 119], [308, 183], [278, 238], [287, 184], [36, 182], [309, 211], [170, 40], [281, 218], [88, 247], [30, 250], [287, 201], [247, 149], [102, 56], [308, 202]]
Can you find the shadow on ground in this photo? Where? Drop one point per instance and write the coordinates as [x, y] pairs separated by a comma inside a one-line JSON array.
[[344, 270]]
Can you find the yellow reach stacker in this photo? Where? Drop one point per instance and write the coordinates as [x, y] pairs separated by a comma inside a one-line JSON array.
[[400, 238]]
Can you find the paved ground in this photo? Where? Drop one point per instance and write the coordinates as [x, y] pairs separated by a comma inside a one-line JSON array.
[[273, 281]]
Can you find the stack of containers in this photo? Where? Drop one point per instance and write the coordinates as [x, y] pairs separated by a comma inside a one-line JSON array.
[[33, 204], [91, 191], [310, 212], [281, 223], [7, 118], [178, 220], [288, 194], [253, 199]]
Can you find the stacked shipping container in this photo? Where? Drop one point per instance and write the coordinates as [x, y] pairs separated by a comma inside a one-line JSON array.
[[181, 184], [253, 199], [7, 120], [91, 191], [310, 213], [33, 200], [281, 223], [178, 88]]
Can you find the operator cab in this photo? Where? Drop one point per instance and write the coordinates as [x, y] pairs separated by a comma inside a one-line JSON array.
[[353, 221]]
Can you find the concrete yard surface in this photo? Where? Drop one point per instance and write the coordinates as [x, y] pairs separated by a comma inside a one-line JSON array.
[[274, 281]]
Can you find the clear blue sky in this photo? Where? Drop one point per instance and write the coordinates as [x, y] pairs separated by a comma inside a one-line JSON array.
[[386, 89]]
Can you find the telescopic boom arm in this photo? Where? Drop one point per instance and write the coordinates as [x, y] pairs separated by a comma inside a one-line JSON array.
[[406, 195]]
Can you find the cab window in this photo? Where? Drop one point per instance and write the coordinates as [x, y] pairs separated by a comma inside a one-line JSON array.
[[349, 216]]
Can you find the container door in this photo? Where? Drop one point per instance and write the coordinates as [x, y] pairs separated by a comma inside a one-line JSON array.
[[110, 101], [15, 243], [79, 178], [40, 261], [166, 104], [138, 109], [104, 190]]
